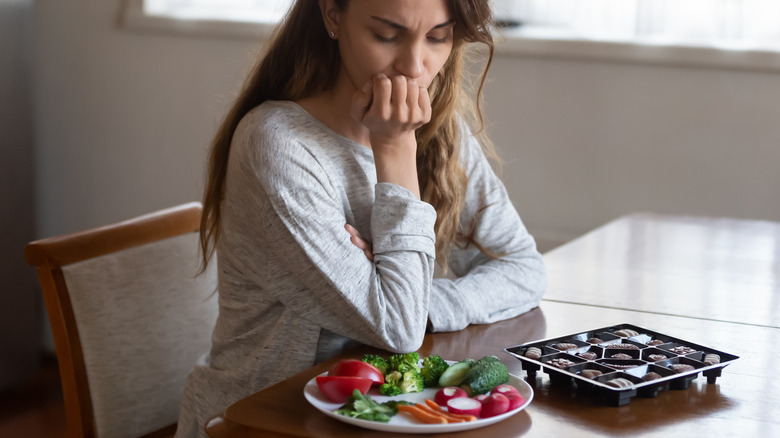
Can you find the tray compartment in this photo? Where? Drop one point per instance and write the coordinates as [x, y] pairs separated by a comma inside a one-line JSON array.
[[633, 369]]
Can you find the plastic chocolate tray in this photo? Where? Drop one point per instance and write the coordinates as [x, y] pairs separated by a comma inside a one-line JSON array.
[[587, 360]]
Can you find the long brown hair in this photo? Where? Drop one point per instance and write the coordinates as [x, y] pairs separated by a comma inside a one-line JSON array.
[[301, 61]]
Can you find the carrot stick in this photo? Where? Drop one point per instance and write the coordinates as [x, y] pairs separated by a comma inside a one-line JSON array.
[[435, 406], [422, 415], [444, 414]]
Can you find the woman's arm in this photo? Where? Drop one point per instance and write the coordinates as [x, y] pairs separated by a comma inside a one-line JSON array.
[[488, 290], [284, 214]]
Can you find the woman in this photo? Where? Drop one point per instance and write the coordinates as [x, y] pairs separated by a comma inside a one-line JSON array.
[[343, 173]]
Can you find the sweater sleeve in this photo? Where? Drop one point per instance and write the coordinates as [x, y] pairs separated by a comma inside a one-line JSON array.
[[487, 290], [286, 190]]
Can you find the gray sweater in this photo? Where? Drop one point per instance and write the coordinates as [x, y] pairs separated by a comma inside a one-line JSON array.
[[293, 289]]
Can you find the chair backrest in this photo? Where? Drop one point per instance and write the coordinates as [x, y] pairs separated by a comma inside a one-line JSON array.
[[129, 317]]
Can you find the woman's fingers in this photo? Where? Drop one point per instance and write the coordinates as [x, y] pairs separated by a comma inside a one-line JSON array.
[[357, 239], [398, 106], [361, 100], [424, 102]]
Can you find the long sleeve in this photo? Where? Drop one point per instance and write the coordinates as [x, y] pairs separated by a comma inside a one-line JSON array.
[[289, 208], [487, 290]]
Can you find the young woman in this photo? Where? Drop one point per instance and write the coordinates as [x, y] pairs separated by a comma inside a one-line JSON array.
[[343, 174]]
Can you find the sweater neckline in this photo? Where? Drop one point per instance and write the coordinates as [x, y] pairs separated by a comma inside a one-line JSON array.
[[363, 149]]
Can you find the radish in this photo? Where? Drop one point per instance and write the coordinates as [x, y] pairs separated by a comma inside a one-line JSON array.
[[480, 398], [515, 400], [445, 394], [494, 404], [505, 389], [464, 406]]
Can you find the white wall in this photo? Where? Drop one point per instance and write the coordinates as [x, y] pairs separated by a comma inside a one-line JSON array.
[[123, 121], [585, 142]]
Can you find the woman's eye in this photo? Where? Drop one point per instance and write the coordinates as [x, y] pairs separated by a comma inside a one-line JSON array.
[[437, 40], [384, 39]]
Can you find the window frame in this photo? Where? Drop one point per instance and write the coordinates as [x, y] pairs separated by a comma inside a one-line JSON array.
[[526, 41]]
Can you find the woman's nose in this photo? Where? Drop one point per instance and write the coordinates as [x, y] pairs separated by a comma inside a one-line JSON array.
[[410, 61]]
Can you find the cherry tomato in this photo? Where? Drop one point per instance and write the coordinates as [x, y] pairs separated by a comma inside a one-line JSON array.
[[340, 388], [357, 368]]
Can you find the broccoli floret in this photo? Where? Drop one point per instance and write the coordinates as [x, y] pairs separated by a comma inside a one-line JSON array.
[[405, 362], [394, 378], [389, 389], [433, 367], [377, 361], [412, 382]]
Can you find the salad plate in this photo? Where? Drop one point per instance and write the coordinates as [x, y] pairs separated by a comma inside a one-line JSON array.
[[401, 423]]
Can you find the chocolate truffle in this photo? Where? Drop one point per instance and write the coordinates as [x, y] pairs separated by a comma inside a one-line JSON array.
[[655, 357], [533, 353], [620, 383], [623, 346], [711, 359], [626, 333], [655, 342], [589, 355], [591, 374], [564, 346], [651, 376], [621, 356], [594, 341], [619, 366], [681, 367], [682, 350], [561, 363]]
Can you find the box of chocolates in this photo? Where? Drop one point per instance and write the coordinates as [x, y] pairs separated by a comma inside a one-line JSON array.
[[621, 362]]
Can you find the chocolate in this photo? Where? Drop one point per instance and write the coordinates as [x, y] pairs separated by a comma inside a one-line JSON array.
[[681, 367], [682, 350], [626, 333], [589, 355], [711, 359], [591, 374], [533, 353], [594, 341], [620, 366], [621, 356], [561, 363], [656, 357], [655, 342], [564, 346], [623, 346], [651, 376], [620, 383]]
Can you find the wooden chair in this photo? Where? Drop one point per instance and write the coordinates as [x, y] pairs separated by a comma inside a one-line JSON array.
[[129, 317]]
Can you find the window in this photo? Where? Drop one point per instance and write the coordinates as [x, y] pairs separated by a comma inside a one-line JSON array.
[[742, 34], [261, 11], [717, 23]]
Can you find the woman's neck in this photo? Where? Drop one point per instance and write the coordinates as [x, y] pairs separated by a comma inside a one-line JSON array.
[[332, 108]]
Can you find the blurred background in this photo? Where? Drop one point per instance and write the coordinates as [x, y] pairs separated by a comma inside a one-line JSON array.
[[107, 109]]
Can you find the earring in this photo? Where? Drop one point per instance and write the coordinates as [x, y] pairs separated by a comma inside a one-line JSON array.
[[333, 35]]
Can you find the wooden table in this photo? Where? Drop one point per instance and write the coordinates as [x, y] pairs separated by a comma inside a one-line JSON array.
[[744, 400], [720, 269]]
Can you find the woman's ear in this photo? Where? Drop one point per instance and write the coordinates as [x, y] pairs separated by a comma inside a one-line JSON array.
[[331, 15]]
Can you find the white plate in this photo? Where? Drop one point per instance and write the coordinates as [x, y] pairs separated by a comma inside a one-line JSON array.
[[403, 423]]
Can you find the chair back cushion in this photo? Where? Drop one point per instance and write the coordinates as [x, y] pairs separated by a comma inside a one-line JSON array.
[[144, 318]]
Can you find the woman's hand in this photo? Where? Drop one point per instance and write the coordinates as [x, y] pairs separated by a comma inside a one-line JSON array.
[[358, 240], [392, 109]]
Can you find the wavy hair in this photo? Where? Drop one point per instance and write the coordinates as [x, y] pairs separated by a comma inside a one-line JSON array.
[[299, 63]]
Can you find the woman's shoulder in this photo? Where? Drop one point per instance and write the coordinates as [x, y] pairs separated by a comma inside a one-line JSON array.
[[276, 117]]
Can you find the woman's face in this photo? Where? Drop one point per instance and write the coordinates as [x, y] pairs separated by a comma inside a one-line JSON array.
[[412, 38]]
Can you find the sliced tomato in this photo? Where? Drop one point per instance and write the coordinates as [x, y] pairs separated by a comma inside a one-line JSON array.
[[340, 388], [357, 368]]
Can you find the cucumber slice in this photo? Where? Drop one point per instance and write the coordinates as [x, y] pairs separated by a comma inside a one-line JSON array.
[[455, 373]]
